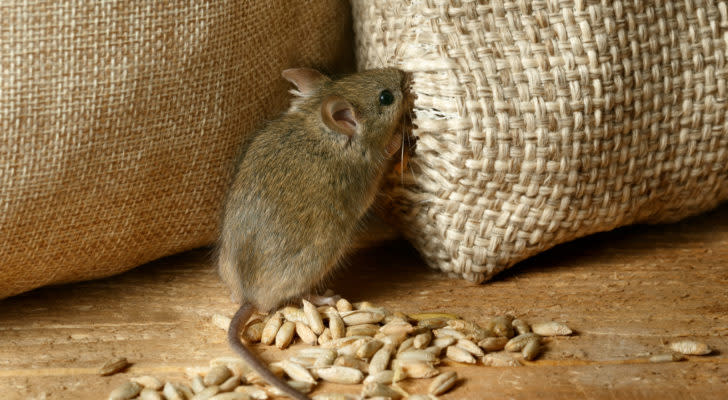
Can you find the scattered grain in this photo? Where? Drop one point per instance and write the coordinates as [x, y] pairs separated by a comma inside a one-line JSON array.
[[493, 343], [325, 337], [362, 317], [551, 328], [406, 345], [230, 384], [368, 349], [416, 355], [417, 369], [234, 364], [375, 389], [285, 334], [422, 340], [315, 322], [444, 341], [448, 332], [149, 394], [297, 371], [470, 347], [531, 349], [443, 383], [303, 387], [113, 366], [149, 382], [500, 360], [336, 325], [669, 357], [380, 359], [343, 305], [336, 396], [397, 327], [230, 396], [253, 332], [457, 354], [384, 376], [253, 392], [306, 334], [338, 374], [520, 326], [125, 391], [691, 347], [352, 362], [502, 326], [433, 323], [206, 393], [197, 384], [217, 375], [270, 330], [519, 342], [171, 392], [294, 314], [362, 330]]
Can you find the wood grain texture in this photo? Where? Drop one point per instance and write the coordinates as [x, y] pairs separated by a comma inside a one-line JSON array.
[[626, 293]]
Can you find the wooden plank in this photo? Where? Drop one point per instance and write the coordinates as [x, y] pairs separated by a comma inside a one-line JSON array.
[[626, 293]]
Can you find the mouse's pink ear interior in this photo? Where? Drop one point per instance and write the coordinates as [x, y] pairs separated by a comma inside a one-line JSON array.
[[306, 79], [338, 114]]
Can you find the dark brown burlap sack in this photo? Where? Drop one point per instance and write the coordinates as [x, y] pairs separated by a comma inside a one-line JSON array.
[[120, 120], [544, 121]]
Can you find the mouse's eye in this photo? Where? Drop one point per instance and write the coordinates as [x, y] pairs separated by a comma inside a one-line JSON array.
[[386, 97]]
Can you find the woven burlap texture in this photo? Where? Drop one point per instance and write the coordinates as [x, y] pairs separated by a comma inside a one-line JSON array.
[[539, 122], [120, 122]]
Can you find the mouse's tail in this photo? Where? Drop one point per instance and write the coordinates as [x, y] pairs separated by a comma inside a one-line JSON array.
[[237, 324]]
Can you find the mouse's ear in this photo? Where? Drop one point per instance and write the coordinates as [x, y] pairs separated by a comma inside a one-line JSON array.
[[338, 114], [306, 79]]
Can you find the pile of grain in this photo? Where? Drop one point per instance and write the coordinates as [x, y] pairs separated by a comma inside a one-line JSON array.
[[362, 344], [357, 344]]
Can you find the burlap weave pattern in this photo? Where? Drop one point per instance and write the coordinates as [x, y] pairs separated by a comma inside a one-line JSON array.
[[119, 122], [543, 121]]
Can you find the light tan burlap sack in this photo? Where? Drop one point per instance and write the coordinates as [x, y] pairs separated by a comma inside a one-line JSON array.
[[543, 121], [120, 120]]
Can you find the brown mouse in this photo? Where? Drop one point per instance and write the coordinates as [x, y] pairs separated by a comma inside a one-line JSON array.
[[301, 189]]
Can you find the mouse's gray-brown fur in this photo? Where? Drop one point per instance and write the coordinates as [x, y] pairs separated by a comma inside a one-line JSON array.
[[303, 185]]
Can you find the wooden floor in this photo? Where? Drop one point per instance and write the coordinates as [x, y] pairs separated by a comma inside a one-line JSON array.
[[626, 293]]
